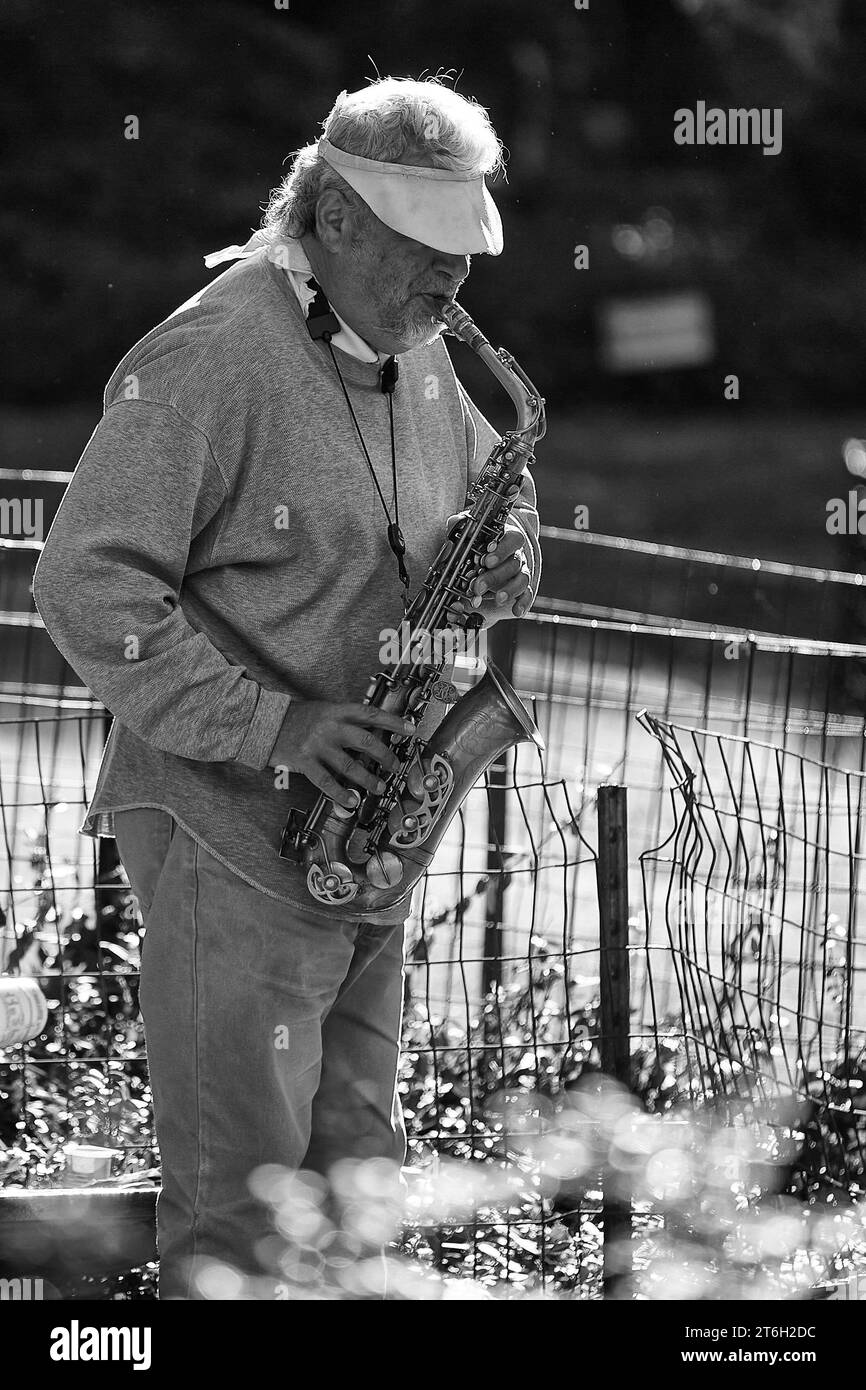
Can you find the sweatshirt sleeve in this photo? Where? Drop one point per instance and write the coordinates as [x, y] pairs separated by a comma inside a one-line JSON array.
[[480, 439], [108, 587]]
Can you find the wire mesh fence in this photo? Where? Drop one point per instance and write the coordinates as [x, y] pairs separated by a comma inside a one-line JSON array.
[[499, 998], [502, 1027], [71, 925], [760, 891]]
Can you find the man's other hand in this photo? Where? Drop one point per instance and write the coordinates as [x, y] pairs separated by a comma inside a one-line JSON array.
[[323, 742]]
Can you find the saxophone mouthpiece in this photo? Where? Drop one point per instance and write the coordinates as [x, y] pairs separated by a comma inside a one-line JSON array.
[[462, 326]]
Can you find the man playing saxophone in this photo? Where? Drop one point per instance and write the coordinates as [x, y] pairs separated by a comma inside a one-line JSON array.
[[272, 477]]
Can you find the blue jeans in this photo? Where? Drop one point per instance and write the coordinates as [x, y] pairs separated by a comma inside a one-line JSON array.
[[272, 1038]]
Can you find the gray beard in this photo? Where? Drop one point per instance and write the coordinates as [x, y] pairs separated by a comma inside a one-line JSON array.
[[417, 327]]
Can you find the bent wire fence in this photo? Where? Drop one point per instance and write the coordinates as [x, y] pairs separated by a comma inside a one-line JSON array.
[[762, 901], [742, 924]]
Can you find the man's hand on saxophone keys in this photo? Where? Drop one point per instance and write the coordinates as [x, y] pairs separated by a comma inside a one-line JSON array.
[[323, 741], [504, 588]]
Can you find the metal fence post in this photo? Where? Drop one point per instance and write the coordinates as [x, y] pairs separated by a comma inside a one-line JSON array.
[[614, 991], [501, 641]]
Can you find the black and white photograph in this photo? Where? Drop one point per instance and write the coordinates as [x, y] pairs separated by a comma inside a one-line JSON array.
[[433, 672]]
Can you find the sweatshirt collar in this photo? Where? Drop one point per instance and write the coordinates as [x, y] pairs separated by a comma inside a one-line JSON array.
[[290, 256]]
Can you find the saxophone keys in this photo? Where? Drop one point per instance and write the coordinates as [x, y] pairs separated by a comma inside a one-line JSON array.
[[347, 812], [384, 869], [438, 779], [337, 878], [333, 885], [446, 692], [403, 817], [415, 782]]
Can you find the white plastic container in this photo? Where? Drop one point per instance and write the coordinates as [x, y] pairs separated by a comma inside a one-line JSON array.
[[86, 1163], [23, 1009]]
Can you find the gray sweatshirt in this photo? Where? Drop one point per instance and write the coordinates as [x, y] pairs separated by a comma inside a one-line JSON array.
[[221, 549]]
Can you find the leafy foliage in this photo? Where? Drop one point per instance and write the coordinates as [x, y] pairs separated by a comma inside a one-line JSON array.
[[508, 1151]]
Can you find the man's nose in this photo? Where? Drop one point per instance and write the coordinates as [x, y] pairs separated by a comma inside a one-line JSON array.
[[448, 263]]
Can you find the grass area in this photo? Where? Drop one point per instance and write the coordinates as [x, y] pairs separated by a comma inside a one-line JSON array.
[[749, 484]]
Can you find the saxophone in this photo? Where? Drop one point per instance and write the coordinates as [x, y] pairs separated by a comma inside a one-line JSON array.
[[373, 854]]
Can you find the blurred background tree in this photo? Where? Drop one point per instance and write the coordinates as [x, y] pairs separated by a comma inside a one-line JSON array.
[[102, 236], [755, 260]]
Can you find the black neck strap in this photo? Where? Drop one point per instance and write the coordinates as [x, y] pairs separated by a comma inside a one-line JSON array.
[[323, 323]]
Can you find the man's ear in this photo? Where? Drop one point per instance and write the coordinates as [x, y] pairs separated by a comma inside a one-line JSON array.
[[333, 220]]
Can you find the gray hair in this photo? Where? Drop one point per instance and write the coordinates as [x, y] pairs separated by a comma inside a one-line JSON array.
[[395, 119]]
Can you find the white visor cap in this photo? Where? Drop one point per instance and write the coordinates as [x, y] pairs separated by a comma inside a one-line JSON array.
[[440, 208]]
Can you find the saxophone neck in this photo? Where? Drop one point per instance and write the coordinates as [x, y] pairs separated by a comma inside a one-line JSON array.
[[531, 418], [528, 403]]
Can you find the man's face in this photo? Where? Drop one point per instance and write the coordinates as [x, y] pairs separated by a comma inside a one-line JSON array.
[[386, 286], [399, 286], [405, 283]]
